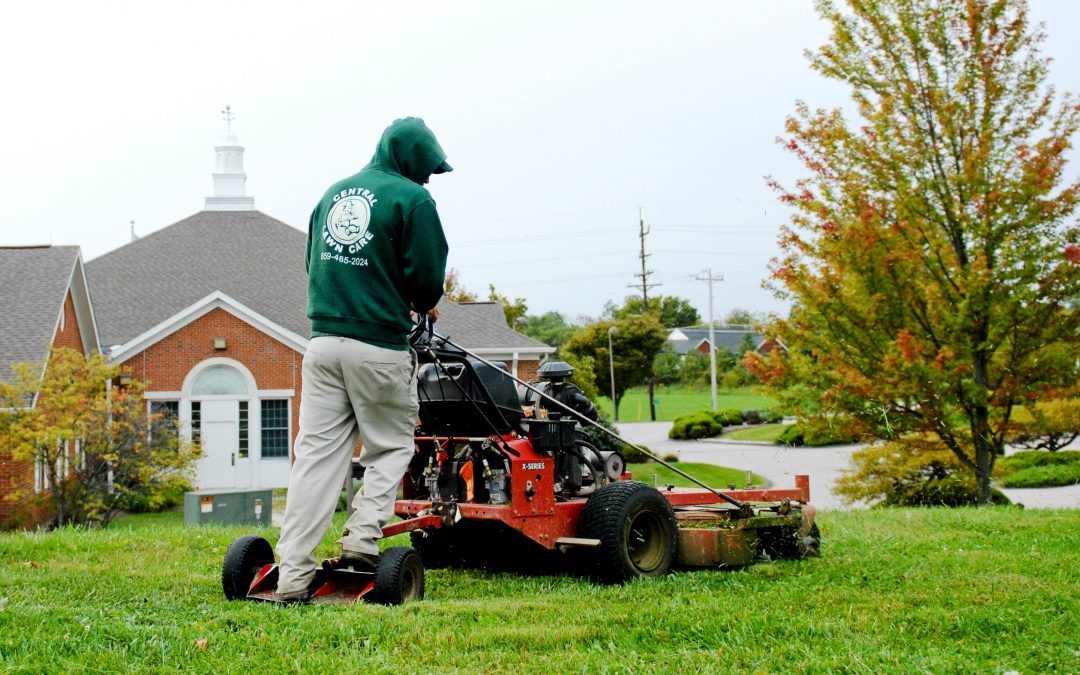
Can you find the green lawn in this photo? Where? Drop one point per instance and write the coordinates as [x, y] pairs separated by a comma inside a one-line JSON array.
[[763, 432], [675, 401], [933, 590], [714, 476]]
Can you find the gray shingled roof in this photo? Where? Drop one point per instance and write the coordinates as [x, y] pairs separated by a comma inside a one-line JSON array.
[[253, 258], [482, 325], [725, 337], [34, 282]]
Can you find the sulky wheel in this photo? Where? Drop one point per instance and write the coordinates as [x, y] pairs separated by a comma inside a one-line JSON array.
[[399, 577], [246, 556], [636, 528]]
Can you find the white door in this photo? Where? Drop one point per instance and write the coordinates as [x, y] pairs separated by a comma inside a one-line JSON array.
[[220, 443]]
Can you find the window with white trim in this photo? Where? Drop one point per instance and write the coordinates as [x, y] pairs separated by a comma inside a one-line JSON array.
[[275, 428]]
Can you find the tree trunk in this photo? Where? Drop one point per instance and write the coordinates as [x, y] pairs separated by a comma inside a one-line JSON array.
[[652, 400]]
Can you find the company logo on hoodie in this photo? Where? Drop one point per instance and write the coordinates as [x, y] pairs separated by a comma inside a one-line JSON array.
[[347, 223]]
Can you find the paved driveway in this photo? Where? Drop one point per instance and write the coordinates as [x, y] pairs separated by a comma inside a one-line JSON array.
[[780, 463]]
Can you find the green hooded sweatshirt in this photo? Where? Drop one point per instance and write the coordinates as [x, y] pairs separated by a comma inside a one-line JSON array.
[[375, 247]]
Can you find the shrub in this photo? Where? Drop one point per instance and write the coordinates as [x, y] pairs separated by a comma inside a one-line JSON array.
[[602, 441], [671, 458], [1033, 468], [728, 417], [950, 491], [700, 424], [752, 417], [169, 499], [772, 417], [634, 456], [816, 433], [917, 470]]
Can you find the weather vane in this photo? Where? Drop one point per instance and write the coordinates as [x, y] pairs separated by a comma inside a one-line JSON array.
[[228, 116]]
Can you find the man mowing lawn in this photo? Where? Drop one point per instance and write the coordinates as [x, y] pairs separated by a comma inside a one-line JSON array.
[[375, 251]]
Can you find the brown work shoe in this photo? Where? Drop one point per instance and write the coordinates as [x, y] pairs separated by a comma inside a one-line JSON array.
[[303, 596], [357, 562]]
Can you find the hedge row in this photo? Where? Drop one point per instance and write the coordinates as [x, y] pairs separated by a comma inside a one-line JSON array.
[[708, 423]]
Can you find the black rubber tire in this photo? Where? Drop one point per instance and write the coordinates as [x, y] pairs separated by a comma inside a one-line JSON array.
[[245, 557], [399, 577], [636, 528]]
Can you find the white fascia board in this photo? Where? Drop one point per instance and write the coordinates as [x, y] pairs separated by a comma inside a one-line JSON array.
[[216, 300], [84, 306], [504, 353]]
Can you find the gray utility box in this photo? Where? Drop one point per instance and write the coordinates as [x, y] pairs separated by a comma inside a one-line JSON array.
[[228, 506]]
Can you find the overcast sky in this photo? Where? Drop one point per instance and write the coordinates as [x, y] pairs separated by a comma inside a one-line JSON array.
[[560, 118]]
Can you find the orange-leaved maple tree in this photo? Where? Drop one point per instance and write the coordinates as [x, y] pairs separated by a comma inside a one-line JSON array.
[[931, 255]]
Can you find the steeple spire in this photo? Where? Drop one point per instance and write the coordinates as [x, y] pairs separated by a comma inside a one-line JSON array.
[[230, 180]]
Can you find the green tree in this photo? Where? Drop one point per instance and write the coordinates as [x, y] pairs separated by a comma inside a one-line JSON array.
[[638, 340], [550, 328], [512, 309], [672, 311], [928, 255], [740, 317], [92, 440]]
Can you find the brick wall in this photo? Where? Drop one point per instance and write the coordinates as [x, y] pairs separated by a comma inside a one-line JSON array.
[[67, 333], [19, 475], [164, 365]]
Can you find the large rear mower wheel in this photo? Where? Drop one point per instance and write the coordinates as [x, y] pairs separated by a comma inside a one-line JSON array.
[[399, 577], [246, 556], [636, 528]]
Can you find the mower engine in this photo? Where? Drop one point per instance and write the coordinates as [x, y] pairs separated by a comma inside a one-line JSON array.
[[463, 441]]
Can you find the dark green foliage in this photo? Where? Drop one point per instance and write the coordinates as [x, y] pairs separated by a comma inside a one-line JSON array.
[[550, 328], [752, 417], [1032, 468], [728, 417], [700, 424], [797, 434], [954, 490], [771, 417], [171, 498]]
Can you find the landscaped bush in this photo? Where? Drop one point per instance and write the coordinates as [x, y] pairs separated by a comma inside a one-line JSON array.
[[168, 499], [816, 435], [634, 456], [729, 417], [771, 417], [917, 471], [700, 424], [752, 417], [950, 491], [1034, 468]]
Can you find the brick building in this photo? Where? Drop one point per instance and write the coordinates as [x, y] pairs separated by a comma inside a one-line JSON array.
[[211, 313], [44, 304]]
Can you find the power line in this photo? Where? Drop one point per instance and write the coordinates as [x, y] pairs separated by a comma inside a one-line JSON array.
[[541, 217], [537, 237]]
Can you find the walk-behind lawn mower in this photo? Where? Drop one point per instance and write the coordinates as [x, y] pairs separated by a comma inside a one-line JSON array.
[[506, 474]]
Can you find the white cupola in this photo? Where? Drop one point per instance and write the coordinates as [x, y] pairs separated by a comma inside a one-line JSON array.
[[230, 180]]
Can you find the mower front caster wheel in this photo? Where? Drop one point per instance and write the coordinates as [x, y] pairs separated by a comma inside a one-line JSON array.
[[399, 577], [636, 528], [246, 556]]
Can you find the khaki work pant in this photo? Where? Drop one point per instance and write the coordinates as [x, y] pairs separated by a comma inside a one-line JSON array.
[[349, 388]]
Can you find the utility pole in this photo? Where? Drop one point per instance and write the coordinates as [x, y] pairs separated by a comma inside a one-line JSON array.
[[707, 276], [645, 286]]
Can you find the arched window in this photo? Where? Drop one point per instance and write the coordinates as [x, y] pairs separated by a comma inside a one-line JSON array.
[[219, 380]]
